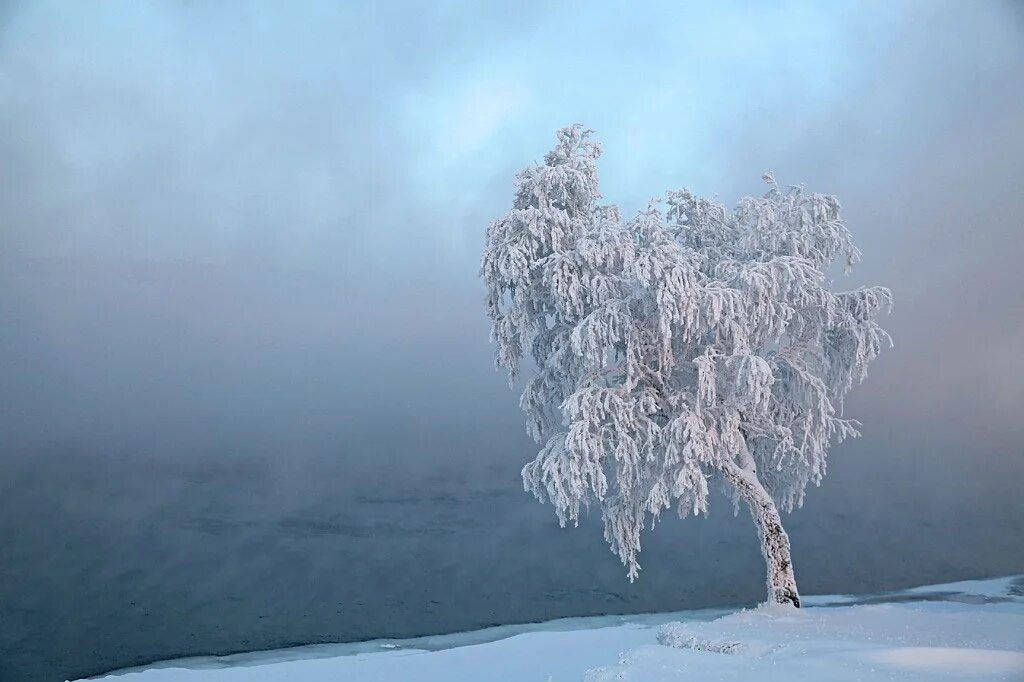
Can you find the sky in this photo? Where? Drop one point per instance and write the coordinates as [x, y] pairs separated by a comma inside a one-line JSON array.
[[254, 179], [251, 232]]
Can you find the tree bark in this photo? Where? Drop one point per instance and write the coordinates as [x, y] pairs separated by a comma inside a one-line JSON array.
[[774, 541]]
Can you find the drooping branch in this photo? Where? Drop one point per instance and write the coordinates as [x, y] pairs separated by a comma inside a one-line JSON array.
[[668, 345]]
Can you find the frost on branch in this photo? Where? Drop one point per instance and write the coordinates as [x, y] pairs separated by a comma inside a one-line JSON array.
[[690, 342]]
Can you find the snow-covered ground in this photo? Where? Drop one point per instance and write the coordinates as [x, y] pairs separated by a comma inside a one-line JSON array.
[[961, 631]]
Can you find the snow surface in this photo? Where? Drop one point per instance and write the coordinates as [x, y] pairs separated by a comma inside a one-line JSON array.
[[971, 630]]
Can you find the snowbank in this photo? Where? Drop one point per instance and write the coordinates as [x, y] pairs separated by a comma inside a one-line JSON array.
[[962, 631]]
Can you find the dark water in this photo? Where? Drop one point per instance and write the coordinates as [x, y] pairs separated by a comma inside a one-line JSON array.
[[113, 560]]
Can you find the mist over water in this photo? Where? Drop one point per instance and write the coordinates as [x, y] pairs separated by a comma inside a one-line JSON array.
[[246, 391]]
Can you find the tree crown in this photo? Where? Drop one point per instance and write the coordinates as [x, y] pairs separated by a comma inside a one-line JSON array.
[[666, 347]]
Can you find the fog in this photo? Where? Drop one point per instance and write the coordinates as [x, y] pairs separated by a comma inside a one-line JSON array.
[[246, 389]]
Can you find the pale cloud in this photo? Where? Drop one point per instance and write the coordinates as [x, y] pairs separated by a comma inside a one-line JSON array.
[[478, 113]]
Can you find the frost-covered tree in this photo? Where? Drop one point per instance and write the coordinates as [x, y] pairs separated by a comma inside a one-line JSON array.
[[690, 344]]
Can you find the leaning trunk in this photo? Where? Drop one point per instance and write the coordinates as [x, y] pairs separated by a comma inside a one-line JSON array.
[[774, 541]]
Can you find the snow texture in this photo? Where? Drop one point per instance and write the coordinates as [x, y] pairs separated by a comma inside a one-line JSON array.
[[964, 631], [691, 343]]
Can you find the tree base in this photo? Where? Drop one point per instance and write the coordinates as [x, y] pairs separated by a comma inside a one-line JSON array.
[[786, 595]]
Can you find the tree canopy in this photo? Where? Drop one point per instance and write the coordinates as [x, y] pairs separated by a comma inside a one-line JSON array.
[[678, 345]]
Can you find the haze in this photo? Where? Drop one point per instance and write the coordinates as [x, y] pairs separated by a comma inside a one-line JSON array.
[[246, 389]]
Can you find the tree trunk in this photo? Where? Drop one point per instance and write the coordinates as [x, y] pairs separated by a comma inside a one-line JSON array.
[[774, 541]]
